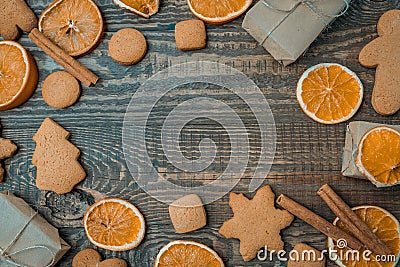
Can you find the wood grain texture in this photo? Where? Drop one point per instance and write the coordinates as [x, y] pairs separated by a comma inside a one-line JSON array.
[[308, 154]]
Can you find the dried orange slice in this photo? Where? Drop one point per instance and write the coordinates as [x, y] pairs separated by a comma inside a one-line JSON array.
[[18, 75], [384, 225], [329, 93], [114, 224], [74, 25], [218, 12], [187, 254], [144, 8], [379, 156]]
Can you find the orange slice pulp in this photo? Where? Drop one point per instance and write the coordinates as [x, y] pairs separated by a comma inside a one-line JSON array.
[[114, 224], [379, 156], [329, 93], [187, 254], [385, 226], [76, 26], [18, 75], [218, 12], [144, 8]]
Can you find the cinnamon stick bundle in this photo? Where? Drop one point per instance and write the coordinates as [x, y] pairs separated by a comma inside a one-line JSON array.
[[318, 222], [357, 227], [61, 57]]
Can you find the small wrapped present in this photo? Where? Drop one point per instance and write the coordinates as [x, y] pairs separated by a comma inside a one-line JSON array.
[[286, 28], [26, 239], [355, 131]]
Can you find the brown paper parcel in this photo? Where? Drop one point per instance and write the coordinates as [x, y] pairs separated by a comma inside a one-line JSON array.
[[26, 239], [286, 28], [355, 131]]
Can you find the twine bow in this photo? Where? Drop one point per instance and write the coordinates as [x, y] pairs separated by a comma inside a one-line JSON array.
[[309, 4], [7, 256]]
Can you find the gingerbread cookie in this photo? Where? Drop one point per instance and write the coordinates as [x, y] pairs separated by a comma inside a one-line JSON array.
[[91, 258], [7, 150], [190, 35], [383, 53], [306, 256], [256, 223], [15, 15], [188, 214], [127, 46], [61, 90], [56, 159]]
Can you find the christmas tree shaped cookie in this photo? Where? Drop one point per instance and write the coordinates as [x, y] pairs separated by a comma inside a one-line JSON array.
[[56, 159]]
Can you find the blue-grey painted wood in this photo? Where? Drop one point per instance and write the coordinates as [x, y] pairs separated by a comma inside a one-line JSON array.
[[308, 154]]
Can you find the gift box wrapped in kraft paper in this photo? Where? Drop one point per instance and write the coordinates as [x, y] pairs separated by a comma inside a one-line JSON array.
[[355, 131], [286, 28], [26, 239]]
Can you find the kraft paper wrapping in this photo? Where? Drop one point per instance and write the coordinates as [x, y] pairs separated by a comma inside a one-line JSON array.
[[26, 239], [286, 28], [355, 131]]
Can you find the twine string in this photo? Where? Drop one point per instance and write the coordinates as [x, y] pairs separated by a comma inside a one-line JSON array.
[[350, 150], [309, 4], [7, 256]]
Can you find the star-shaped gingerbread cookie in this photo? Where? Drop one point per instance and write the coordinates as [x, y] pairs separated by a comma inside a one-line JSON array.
[[256, 223], [7, 150]]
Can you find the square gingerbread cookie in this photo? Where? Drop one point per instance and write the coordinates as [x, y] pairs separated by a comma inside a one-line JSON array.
[[190, 35]]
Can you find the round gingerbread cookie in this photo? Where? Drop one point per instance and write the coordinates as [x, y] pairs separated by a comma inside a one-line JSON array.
[[127, 46], [61, 90]]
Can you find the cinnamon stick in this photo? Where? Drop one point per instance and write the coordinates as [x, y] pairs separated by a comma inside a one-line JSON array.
[[61, 57], [357, 227], [318, 222]]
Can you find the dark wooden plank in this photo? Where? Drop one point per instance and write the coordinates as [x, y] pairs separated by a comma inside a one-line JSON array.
[[308, 154]]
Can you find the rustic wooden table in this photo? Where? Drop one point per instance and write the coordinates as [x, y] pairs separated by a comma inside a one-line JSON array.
[[308, 154]]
